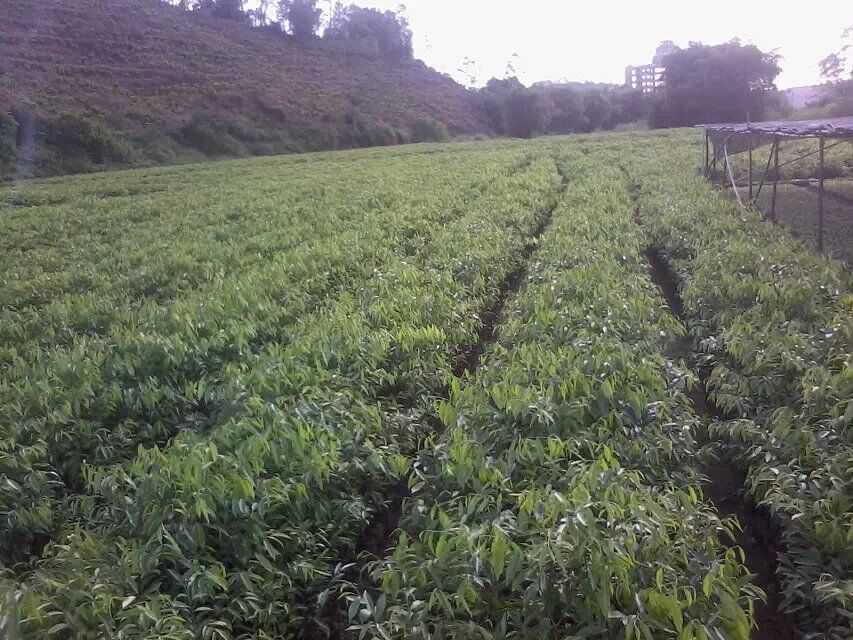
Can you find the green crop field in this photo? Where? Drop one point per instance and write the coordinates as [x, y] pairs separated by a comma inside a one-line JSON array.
[[475, 390]]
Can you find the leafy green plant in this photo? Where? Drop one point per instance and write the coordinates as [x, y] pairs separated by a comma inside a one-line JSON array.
[[74, 135], [8, 137], [215, 385], [775, 324], [428, 130], [174, 427], [559, 500]]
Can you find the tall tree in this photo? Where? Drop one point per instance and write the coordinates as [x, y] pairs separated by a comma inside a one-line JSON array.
[[834, 67], [301, 16], [837, 68], [568, 111], [260, 15], [722, 83], [389, 31], [230, 9], [469, 71]]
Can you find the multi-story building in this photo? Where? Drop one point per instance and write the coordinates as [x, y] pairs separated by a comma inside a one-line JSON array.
[[648, 78]]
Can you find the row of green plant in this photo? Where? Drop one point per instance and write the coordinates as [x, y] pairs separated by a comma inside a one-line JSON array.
[[216, 464], [88, 260], [774, 325], [560, 499], [113, 370]]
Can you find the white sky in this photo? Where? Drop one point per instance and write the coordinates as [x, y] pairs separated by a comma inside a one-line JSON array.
[[596, 39]]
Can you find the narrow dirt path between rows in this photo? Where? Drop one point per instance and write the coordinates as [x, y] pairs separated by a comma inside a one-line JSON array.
[[725, 484], [725, 481]]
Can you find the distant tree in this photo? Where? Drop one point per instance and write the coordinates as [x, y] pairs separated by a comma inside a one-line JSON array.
[[468, 69], [528, 113], [389, 31], [837, 68], [230, 9], [834, 66], [559, 108], [629, 105], [495, 96], [260, 14], [301, 16], [597, 110], [723, 83], [511, 70], [567, 111]]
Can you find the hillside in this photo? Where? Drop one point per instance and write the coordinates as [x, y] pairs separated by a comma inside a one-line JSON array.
[[155, 84]]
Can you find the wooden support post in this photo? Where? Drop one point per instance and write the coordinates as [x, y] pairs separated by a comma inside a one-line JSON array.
[[707, 154], [749, 171], [820, 198], [775, 179]]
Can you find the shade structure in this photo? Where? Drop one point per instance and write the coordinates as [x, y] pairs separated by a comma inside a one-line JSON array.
[[740, 136], [824, 128], [726, 139]]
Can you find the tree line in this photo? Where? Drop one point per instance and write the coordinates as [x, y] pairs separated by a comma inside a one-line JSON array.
[[837, 69], [523, 112], [702, 83], [347, 27]]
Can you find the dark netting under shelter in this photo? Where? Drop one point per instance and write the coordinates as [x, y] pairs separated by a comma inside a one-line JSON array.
[[746, 157]]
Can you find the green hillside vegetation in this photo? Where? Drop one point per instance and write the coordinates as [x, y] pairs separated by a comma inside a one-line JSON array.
[[86, 84]]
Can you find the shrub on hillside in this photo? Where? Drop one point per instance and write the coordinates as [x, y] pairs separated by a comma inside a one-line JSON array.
[[73, 135], [358, 130], [381, 135], [8, 138], [429, 130], [210, 135]]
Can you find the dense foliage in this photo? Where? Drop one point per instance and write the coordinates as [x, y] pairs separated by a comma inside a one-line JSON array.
[[388, 32], [730, 82], [559, 499], [426, 392], [522, 112], [774, 325], [837, 68], [301, 16]]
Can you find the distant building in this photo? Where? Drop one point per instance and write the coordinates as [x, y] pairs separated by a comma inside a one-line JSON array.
[[648, 78]]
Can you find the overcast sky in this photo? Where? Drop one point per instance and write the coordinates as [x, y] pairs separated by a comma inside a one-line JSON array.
[[596, 39]]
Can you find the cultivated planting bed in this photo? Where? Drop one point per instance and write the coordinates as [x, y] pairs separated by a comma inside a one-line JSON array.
[[425, 392]]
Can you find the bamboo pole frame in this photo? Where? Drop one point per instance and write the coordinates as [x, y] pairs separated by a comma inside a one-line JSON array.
[[749, 171], [715, 151], [776, 177], [822, 154]]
